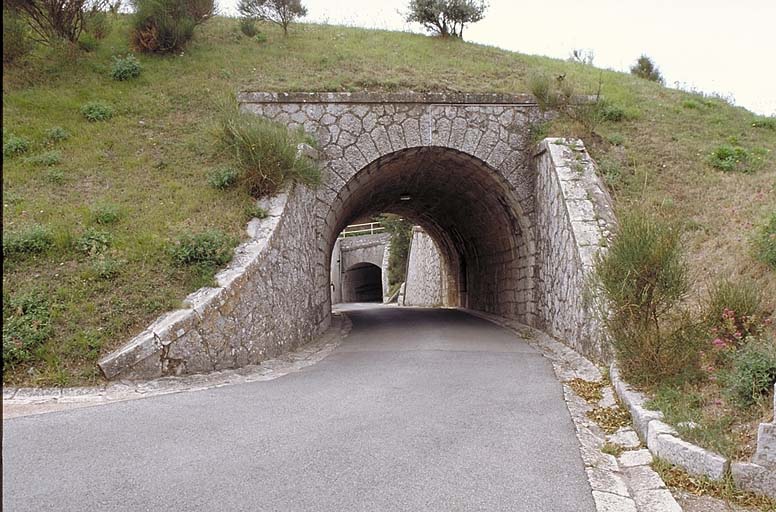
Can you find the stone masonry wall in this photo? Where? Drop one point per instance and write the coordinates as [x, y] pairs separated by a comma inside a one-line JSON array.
[[575, 220], [423, 284], [524, 223]]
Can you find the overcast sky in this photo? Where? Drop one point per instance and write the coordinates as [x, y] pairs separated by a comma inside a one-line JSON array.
[[722, 46]]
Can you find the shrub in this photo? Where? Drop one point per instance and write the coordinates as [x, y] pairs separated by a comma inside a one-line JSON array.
[[445, 17], [56, 176], [616, 139], [93, 241], [753, 372], [52, 20], [279, 12], [611, 112], [765, 242], [106, 268], [57, 134], [167, 25], [265, 152], [646, 69], [32, 240], [210, 248], [96, 111], [248, 27], [125, 68], [106, 213], [260, 38], [16, 42], [46, 159], [26, 326], [223, 178], [13, 145], [643, 278], [733, 158]]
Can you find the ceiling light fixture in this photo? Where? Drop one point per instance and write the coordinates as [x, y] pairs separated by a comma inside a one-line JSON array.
[[405, 197]]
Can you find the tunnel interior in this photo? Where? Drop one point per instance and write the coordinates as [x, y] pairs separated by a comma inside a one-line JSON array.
[[468, 210], [362, 282]]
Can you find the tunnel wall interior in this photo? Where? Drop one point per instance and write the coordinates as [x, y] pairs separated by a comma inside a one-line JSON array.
[[363, 283], [516, 226]]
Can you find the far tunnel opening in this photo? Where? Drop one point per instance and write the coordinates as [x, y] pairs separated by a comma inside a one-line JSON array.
[[362, 282]]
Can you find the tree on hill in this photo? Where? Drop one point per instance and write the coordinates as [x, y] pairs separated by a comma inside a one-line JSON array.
[[646, 69], [446, 17], [280, 12]]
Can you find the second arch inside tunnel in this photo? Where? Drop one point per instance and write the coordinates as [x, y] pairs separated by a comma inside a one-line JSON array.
[[468, 210]]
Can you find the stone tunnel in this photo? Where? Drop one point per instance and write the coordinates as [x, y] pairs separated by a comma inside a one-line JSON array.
[[516, 223]]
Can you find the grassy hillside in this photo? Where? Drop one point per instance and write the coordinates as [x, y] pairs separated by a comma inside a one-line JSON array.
[[149, 163]]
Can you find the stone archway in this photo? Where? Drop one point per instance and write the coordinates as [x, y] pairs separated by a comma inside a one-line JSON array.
[[517, 225]]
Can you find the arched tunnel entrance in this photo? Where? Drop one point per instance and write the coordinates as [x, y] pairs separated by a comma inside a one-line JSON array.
[[362, 282], [467, 209]]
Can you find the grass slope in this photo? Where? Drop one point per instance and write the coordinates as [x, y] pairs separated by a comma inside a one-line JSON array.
[[152, 158]]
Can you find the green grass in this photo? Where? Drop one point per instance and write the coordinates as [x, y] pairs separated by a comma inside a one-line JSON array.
[[151, 160]]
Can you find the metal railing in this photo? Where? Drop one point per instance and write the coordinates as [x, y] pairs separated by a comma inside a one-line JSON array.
[[368, 228]]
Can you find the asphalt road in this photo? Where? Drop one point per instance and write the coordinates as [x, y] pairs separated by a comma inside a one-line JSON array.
[[416, 410]]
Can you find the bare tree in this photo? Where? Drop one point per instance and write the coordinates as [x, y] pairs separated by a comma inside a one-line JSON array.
[[55, 19], [446, 17], [280, 12]]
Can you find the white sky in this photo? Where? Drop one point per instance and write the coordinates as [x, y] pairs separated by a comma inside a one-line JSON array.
[[722, 46]]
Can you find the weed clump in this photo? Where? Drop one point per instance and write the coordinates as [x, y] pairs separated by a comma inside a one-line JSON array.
[[93, 241], [13, 145], [266, 153], [223, 178], [764, 242], [752, 373], [125, 68], [33, 240], [210, 248], [96, 111], [248, 27], [56, 134], [46, 159], [106, 213], [733, 158], [26, 326]]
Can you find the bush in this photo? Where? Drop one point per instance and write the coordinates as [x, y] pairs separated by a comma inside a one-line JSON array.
[[106, 268], [260, 38], [13, 145], [57, 134], [741, 297], [106, 213], [54, 20], [33, 240], [733, 158], [753, 372], [96, 111], [611, 112], [125, 68], [248, 27], [265, 152], [210, 248], [161, 26], [46, 159], [765, 242], [643, 278], [16, 42], [93, 241], [26, 326], [646, 69], [223, 178]]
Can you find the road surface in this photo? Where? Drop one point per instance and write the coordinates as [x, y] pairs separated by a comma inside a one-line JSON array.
[[418, 409]]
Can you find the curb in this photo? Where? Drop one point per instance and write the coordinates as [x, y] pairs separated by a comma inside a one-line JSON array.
[[663, 441], [19, 402]]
